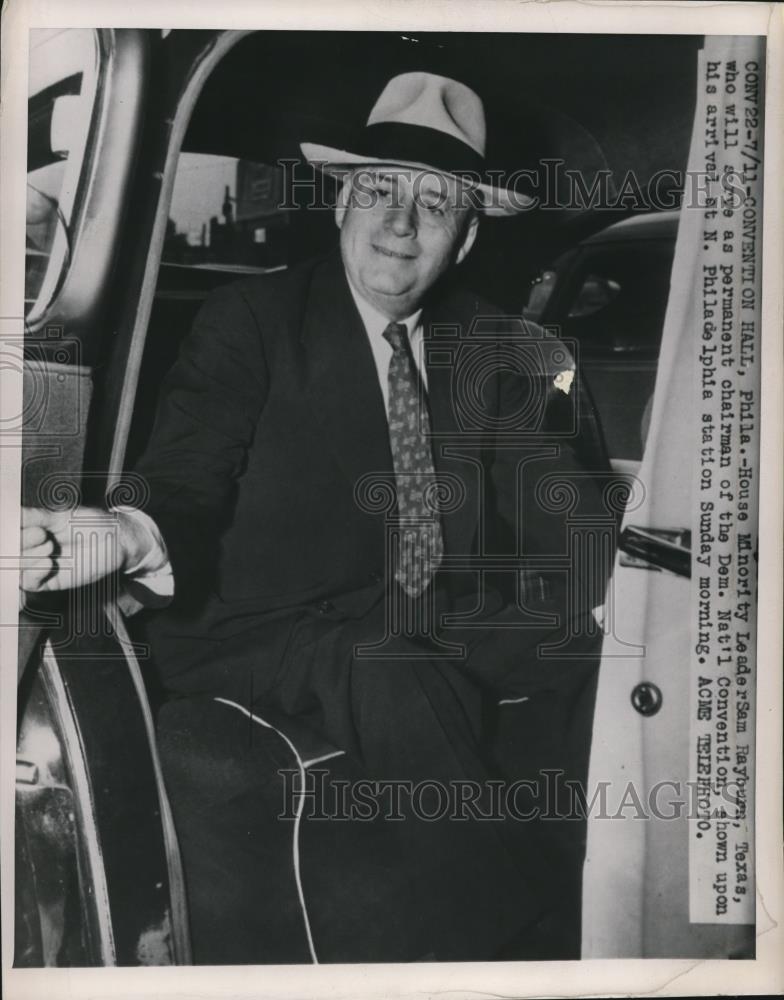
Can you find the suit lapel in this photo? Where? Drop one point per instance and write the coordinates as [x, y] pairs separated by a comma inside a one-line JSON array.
[[341, 376]]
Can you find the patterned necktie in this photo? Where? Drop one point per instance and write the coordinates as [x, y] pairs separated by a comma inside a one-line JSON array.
[[421, 545]]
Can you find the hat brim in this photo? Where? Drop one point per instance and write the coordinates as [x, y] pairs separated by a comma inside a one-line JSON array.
[[338, 162]]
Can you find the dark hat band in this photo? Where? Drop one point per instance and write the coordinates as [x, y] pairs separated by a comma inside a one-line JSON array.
[[398, 142]]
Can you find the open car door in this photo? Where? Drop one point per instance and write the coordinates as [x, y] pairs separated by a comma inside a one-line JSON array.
[[97, 874], [670, 862]]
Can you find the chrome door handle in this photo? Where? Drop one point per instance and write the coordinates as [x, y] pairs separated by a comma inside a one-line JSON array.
[[657, 548]]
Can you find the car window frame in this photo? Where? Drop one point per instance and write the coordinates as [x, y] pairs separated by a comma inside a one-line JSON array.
[[129, 359], [44, 77], [100, 197]]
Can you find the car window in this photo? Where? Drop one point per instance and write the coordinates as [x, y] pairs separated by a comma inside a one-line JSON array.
[[619, 297], [226, 213], [62, 91], [613, 309]]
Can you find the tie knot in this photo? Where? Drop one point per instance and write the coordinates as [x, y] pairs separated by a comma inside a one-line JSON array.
[[395, 334]]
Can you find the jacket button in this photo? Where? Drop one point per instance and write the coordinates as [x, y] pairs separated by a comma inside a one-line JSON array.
[[325, 607], [647, 698], [375, 578]]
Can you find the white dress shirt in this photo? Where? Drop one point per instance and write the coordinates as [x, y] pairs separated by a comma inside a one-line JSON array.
[[375, 323]]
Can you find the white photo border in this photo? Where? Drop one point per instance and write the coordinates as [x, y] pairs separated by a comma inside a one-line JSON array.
[[597, 977]]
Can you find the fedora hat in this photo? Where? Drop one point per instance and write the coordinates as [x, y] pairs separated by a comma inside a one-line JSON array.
[[427, 122]]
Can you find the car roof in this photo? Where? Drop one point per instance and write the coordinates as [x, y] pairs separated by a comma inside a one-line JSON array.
[[651, 226]]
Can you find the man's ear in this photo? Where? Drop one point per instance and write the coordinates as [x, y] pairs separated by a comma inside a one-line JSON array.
[[468, 240], [344, 196]]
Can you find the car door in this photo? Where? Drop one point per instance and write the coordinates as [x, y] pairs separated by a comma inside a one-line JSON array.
[[88, 769], [98, 880], [669, 870]]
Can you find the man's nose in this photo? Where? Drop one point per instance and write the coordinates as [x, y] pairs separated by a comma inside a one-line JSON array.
[[400, 218]]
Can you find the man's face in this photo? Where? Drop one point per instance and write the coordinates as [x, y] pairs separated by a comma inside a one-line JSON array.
[[399, 231]]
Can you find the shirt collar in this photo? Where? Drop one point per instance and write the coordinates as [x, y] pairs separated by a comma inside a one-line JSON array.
[[376, 322]]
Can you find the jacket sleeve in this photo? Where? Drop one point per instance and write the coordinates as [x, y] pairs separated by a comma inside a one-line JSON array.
[[209, 405]]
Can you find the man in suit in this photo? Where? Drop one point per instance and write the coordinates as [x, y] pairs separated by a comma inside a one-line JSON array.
[[340, 452]]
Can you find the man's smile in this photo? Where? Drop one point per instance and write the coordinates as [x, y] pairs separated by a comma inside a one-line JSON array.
[[386, 252]]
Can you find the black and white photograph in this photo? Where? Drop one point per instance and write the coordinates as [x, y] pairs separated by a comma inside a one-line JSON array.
[[391, 498]]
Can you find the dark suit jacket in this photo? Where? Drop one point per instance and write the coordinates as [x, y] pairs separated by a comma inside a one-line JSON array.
[[268, 427], [269, 424]]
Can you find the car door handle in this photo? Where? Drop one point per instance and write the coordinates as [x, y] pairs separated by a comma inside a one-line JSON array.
[[657, 548]]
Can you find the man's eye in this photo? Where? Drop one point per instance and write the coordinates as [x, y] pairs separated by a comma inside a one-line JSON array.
[[435, 207]]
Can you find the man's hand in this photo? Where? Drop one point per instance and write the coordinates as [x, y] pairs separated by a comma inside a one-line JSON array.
[[73, 548]]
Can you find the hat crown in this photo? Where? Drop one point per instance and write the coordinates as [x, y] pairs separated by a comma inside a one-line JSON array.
[[435, 102], [423, 121]]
